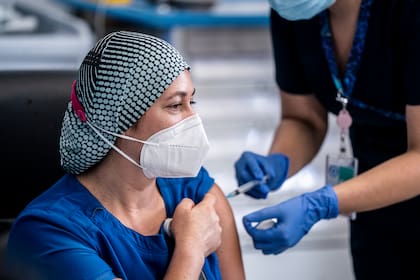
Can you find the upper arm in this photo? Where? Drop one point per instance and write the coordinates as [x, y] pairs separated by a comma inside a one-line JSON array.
[[411, 73], [291, 59], [413, 128], [229, 253], [305, 108], [303, 119]]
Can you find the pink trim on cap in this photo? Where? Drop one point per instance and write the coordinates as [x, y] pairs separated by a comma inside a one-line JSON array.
[[77, 106]]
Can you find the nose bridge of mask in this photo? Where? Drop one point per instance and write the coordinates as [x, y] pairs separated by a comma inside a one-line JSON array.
[[168, 135]]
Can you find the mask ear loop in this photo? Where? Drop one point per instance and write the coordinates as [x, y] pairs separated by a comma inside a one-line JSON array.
[[114, 147], [126, 137], [80, 112]]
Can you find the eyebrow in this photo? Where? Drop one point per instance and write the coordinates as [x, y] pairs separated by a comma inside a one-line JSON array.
[[181, 93]]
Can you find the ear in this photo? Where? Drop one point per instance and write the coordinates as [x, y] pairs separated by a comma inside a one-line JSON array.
[[131, 131]]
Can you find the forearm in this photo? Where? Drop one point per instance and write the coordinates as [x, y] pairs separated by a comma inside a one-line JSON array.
[[185, 264], [197, 233], [299, 141], [301, 131], [395, 180]]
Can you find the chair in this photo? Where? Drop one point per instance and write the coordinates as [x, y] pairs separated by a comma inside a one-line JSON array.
[[32, 106]]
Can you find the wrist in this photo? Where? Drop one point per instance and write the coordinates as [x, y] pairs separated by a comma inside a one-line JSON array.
[[281, 155], [185, 264], [329, 194], [195, 256], [280, 164], [324, 203]]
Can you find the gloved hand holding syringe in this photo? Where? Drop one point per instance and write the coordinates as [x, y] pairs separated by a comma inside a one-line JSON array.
[[246, 187]]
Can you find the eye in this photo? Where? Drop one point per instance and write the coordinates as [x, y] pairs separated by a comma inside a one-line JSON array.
[[179, 105], [175, 106]]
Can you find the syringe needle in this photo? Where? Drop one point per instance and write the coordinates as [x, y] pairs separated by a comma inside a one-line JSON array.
[[246, 187]]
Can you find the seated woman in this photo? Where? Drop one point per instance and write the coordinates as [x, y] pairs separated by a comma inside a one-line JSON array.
[[132, 148]]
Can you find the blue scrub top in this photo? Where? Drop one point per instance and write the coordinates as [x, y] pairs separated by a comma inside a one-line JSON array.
[[66, 233]]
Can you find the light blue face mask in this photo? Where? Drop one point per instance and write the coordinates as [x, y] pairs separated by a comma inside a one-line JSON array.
[[300, 9]]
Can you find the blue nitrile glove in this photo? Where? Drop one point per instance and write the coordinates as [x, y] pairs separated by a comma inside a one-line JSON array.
[[295, 217], [251, 166]]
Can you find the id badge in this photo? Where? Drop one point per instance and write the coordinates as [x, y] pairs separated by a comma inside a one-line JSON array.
[[340, 168]]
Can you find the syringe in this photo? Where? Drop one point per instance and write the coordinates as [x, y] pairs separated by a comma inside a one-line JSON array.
[[246, 187]]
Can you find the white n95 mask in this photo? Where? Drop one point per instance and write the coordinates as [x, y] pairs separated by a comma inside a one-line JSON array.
[[180, 150], [300, 9], [175, 152]]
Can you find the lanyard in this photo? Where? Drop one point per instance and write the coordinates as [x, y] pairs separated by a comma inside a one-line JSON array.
[[345, 87]]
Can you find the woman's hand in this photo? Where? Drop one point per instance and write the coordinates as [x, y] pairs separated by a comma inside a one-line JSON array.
[[196, 228]]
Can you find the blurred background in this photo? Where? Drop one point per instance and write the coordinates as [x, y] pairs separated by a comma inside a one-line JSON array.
[[226, 42]]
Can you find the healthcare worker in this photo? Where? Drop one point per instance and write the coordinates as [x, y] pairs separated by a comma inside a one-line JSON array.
[[358, 59], [132, 147]]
